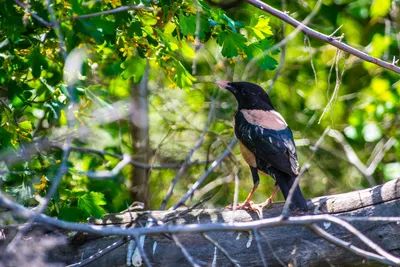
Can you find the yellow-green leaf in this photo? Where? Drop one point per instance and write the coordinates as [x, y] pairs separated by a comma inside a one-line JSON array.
[[380, 8], [187, 50], [262, 28]]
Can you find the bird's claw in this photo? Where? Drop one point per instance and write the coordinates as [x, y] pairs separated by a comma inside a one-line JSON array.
[[249, 206], [266, 203]]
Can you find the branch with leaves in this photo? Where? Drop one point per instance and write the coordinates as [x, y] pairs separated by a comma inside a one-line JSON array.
[[323, 37]]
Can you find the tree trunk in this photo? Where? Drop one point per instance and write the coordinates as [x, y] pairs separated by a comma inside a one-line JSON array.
[[140, 140]]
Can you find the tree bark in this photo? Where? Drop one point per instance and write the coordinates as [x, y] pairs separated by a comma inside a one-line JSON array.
[[281, 245], [140, 140]]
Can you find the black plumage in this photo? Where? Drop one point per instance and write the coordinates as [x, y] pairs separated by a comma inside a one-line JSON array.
[[266, 141]]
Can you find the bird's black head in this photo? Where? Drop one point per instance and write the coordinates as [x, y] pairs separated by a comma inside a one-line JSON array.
[[248, 95]]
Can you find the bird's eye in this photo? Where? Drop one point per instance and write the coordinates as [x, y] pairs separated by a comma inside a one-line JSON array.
[[245, 91]]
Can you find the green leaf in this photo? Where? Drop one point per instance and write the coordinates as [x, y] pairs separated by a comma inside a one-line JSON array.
[[91, 203], [183, 78], [230, 21], [38, 62], [204, 6], [135, 29], [187, 25], [134, 67], [72, 214], [257, 50], [230, 43]]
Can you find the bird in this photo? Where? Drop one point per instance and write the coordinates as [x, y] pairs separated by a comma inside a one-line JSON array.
[[266, 142]]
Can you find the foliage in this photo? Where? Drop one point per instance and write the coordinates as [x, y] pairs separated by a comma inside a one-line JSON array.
[[107, 54]]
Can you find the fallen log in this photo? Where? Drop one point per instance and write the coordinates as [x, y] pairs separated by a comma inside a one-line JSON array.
[[281, 245]]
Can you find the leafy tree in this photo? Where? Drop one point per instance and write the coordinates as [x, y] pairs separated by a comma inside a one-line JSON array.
[[82, 100]]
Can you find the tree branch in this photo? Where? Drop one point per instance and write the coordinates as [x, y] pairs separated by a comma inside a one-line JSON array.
[[111, 11], [323, 37], [367, 234]]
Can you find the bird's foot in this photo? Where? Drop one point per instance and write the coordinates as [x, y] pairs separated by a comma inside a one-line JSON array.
[[249, 206], [266, 203]]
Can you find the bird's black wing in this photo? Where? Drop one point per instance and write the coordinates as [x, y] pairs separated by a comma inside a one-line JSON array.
[[274, 147]]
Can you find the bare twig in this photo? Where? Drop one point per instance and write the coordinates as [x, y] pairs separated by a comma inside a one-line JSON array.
[[307, 44], [196, 185], [100, 253], [197, 44], [258, 243], [212, 185], [189, 157], [283, 53], [56, 27], [346, 245], [131, 161], [109, 174], [272, 250], [111, 11], [185, 252], [304, 168], [323, 37], [379, 156], [33, 14], [355, 160], [339, 77], [226, 253], [286, 40], [142, 252], [200, 228]]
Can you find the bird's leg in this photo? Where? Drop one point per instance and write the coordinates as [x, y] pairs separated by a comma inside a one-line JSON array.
[[248, 204], [256, 181], [271, 198]]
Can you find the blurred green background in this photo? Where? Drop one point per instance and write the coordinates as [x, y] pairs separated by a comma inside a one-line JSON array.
[[101, 97]]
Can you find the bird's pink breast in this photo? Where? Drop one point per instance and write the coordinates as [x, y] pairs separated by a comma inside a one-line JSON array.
[[270, 119]]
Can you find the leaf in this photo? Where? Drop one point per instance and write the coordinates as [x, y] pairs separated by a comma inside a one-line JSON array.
[[187, 50], [204, 6], [26, 126], [72, 214], [134, 67], [135, 29], [262, 28], [91, 203], [230, 21], [230, 43], [187, 24], [380, 43], [380, 8], [264, 60], [148, 20], [38, 62], [183, 78]]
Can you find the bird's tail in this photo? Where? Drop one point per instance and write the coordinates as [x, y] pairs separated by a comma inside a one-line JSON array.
[[285, 182]]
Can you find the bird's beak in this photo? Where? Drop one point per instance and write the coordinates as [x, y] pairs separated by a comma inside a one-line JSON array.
[[225, 85]]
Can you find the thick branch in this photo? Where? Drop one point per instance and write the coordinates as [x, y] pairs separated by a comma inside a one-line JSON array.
[[323, 37], [363, 209]]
